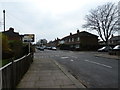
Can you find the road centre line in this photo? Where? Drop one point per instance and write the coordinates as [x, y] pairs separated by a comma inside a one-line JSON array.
[[98, 63]]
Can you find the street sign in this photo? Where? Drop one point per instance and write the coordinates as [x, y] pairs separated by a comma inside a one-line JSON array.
[[28, 38]]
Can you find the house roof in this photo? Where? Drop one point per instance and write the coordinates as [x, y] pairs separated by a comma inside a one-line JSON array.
[[85, 33], [11, 33], [82, 33]]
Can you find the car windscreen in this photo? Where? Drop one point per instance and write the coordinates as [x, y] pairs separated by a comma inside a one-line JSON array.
[[117, 47]]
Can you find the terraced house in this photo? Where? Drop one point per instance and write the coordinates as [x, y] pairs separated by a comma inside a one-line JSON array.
[[12, 35], [79, 41]]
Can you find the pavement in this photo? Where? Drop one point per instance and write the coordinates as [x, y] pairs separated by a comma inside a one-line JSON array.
[[106, 55], [47, 73]]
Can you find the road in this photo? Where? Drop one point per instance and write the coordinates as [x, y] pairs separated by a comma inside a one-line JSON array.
[[92, 71]]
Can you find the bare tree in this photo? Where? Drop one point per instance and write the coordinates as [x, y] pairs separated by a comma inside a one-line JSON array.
[[103, 19]]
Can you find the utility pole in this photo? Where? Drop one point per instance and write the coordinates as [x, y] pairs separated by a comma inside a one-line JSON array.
[[4, 19]]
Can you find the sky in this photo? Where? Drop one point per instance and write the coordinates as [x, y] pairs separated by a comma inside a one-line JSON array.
[[47, 19]]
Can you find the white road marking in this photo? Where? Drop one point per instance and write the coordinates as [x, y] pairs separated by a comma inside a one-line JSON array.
[[74, 57], [71, 51], [98, 63], [71, 60], [64, 57]]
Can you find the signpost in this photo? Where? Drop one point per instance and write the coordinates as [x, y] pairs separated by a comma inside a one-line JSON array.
[[28, 38]]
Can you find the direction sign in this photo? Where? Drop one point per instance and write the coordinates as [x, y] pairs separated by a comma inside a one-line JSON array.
[[28, 38]]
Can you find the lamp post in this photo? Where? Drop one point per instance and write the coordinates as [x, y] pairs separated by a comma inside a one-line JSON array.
[[4, 18]]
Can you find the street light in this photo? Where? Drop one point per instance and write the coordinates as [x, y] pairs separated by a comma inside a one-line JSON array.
[[4, 18]]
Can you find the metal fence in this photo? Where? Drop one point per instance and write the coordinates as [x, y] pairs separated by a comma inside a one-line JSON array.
[[13, 72]]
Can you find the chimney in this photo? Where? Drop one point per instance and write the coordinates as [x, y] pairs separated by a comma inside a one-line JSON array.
[[70, 34], [11, 29], [78, 31]]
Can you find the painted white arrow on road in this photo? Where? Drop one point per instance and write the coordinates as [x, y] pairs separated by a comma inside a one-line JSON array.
[[64, 57]]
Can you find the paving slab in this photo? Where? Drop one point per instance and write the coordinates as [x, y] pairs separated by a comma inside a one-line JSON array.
[[47, 73]]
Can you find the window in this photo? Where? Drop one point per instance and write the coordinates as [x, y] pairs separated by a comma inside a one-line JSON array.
[[69, 40], [72, 39], [78, 39]]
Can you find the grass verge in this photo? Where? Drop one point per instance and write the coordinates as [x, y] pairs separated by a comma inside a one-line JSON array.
[[4, 62]]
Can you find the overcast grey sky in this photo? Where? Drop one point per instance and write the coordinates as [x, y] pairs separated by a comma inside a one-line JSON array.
[[47, 19]]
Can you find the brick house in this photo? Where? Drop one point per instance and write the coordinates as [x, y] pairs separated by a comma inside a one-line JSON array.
[[12, 35], [80, 41]]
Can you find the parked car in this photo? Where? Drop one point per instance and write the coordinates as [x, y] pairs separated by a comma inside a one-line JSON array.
[[48, 48], [115, 50], [105, 49], [40, 48], [53, 48]]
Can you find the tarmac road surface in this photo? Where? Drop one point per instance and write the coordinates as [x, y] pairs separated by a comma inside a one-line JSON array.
[[92, 71]]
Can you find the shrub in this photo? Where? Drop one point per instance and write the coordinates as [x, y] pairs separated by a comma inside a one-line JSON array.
[[6, 51], [17, 48]]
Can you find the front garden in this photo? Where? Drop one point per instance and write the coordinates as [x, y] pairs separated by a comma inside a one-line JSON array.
[[12, 49]]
